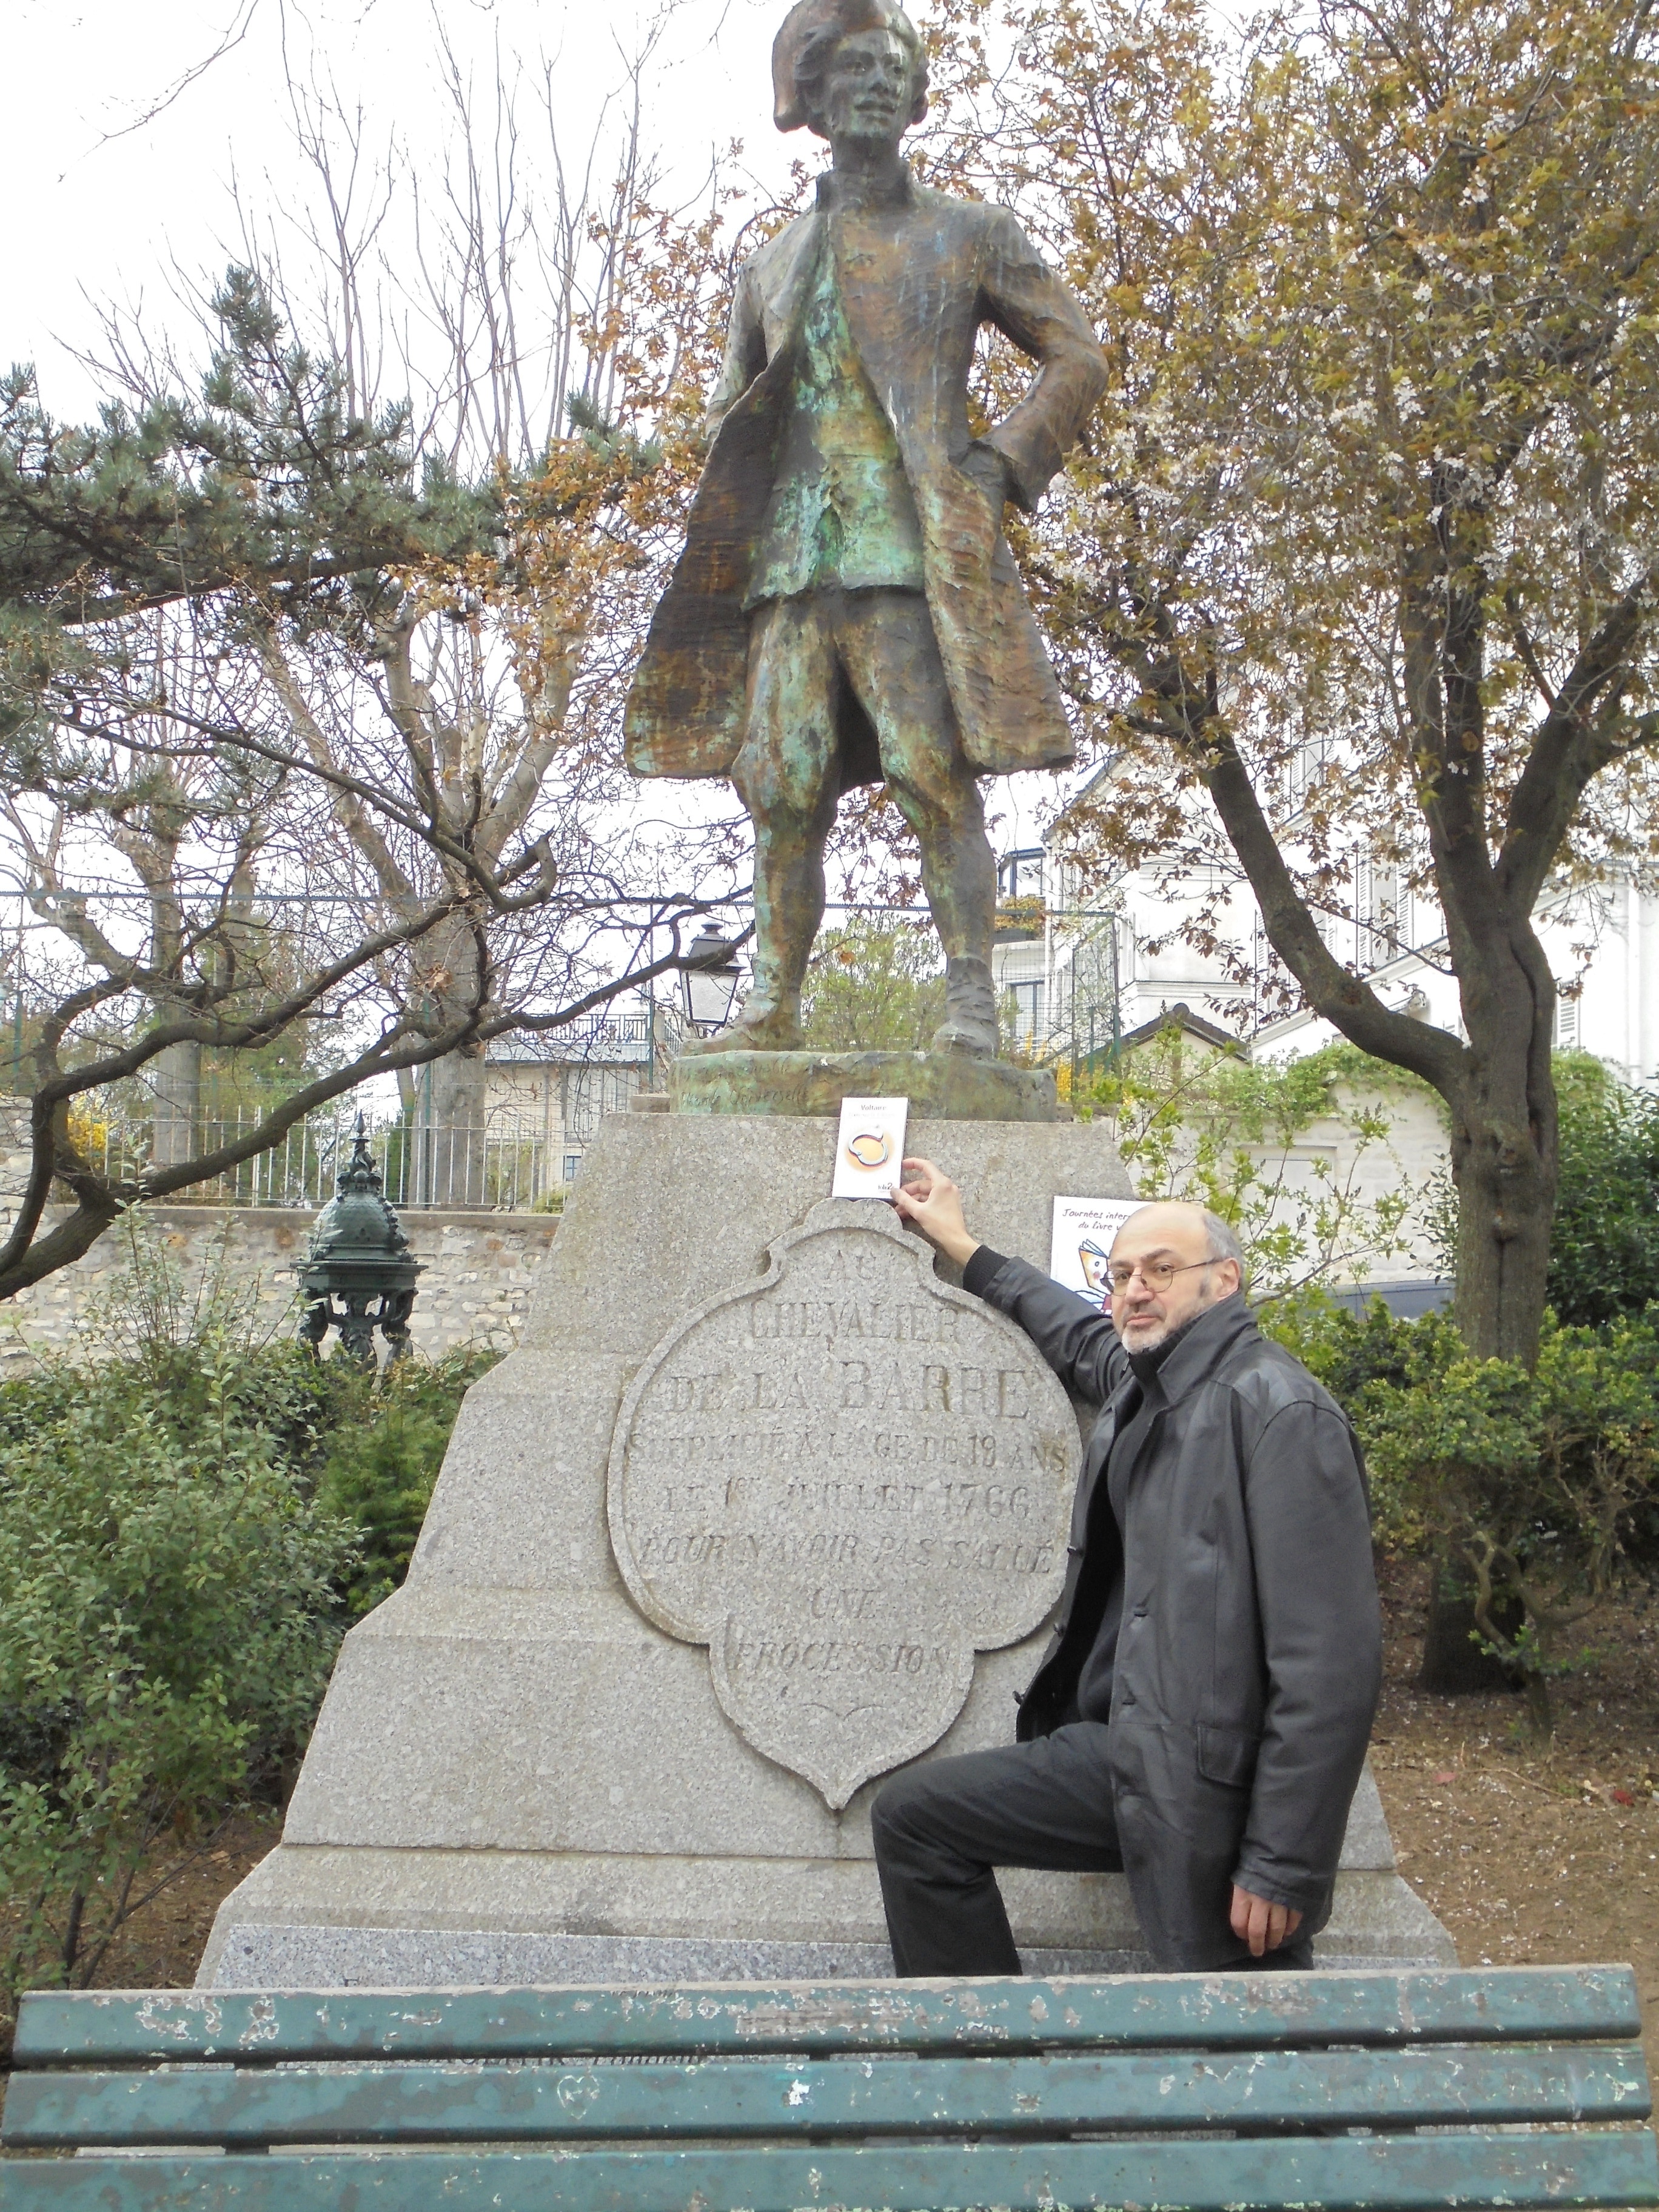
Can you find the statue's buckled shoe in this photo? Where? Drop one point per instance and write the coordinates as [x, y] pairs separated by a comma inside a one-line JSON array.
[[769, 1029], [971, 1010]]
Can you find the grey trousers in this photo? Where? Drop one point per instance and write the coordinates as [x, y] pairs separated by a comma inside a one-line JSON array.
[[942, 1827]]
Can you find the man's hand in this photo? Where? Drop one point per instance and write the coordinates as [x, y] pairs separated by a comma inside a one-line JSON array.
[[986, 466], [1264, 1927], [932, 1201]]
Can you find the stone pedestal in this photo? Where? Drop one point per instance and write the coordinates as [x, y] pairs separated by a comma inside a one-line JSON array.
[[940, 1085], [759, 1504]]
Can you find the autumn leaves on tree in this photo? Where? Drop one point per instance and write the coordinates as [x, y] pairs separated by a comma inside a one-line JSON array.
[[1357, 559], [1363, 548]]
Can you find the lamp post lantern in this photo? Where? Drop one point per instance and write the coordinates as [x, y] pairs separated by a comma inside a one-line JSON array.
[[709, 975], [360, 1256]]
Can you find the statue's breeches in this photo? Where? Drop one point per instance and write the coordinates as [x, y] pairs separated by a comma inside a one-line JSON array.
[[844, 688], [847, 688]]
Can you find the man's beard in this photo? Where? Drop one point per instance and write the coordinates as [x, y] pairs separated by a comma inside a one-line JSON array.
[[1160, 1348]]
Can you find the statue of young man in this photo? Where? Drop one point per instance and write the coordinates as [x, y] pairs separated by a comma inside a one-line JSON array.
[[845, 609]]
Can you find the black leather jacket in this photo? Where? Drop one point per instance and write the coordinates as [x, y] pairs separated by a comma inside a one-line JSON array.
[[1249, 1658]]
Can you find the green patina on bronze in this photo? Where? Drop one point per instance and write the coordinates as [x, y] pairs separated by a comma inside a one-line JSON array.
[[941, 1086], [846, 610], [841, 511]]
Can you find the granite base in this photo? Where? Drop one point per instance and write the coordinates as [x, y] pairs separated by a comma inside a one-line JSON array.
[[406, 1958], [322, 1916], [517, 1776]]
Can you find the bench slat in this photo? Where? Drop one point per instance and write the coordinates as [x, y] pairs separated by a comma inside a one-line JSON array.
[[506, 2100], [1524, 2172], [1524, 2004]]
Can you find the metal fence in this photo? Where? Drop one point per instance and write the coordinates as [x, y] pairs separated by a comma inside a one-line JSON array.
[[505, 1164]]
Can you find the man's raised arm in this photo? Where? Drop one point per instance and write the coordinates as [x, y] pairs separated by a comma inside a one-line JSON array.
[[1081, 1346]]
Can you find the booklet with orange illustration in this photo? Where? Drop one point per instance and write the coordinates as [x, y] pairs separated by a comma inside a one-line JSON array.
[[869, 1148]]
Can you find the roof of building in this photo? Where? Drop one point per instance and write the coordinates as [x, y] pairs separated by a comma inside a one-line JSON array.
[[1181, 1017]]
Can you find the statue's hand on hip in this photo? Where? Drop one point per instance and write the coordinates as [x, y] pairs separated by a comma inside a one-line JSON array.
[[984, 465]]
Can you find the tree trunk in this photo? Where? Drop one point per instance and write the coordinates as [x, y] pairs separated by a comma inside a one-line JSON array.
[[1504, 1167], [1540, 1707], [71, 1947], [1454, 1664], [451, 1169], [178, 1082], [451, 1136]]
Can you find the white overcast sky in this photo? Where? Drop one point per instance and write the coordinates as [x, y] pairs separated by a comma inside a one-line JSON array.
[[101, 202]]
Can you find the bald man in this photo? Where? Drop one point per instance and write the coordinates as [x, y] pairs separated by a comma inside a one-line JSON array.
[[1201, 1716]]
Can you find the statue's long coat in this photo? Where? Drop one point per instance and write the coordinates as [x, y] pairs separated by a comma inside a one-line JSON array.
[[918, 277]]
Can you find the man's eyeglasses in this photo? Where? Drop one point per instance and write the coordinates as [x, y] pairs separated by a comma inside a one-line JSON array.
[[1157, 1275]]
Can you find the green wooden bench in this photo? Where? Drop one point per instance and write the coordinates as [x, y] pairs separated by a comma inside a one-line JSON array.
[[1522, 2087]]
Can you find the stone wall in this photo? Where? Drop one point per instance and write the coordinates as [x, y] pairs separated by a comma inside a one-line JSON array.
[[480, 1269]]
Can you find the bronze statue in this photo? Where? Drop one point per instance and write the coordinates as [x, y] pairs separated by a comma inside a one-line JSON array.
[[845, 609]]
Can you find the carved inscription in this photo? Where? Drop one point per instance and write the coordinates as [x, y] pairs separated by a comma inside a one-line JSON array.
[[844, 1481]]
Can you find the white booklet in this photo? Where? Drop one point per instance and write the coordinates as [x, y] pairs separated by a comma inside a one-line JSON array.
[[1084, 1229], [870, 1147]]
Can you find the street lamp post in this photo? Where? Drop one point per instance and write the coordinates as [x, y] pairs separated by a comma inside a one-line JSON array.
[[709, 975]]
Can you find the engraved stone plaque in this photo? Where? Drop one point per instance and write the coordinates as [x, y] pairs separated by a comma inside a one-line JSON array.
[[844, 1479]]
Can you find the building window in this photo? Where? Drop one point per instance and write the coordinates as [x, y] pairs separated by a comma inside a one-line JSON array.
[[1377, 914], [1028, 1010], [572, 1161], [590, 1093], [1020, 875]]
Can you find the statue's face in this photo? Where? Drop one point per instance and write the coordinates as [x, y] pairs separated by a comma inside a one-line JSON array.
[[868, 88]]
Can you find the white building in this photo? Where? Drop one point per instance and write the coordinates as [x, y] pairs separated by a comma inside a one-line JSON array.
[[548, 1090], [1084, 969], [1087, 972]]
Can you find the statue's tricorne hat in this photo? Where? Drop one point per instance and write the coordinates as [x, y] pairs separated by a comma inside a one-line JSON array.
[[805, 21]]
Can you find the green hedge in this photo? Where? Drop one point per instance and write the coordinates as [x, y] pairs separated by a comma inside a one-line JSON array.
[[1541, 1490], [1604, 1240], [185, 1533]]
